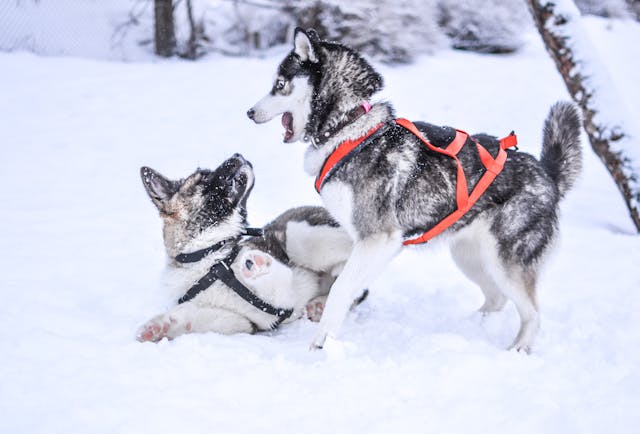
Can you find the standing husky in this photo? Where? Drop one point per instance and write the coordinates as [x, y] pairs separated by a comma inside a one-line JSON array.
[[391, 187], [227, 285]]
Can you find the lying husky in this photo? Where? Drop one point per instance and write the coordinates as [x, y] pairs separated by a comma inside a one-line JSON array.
[[228, 285], [393, 186]]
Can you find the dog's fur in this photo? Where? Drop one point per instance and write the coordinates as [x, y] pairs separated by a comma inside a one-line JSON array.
[[291, 266], [393, 188]]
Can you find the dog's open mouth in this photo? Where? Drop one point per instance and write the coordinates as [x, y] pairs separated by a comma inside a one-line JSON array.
[[287, 123]]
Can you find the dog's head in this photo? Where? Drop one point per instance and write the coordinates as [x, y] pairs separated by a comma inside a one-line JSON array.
[[210, 204], [316, 83]]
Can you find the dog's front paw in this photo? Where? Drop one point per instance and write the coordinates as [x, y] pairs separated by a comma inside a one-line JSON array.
[[158, 328], [318, 342], [153, 331], [254, 264]]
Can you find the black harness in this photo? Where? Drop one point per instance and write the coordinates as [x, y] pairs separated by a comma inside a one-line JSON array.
[[222, 271]]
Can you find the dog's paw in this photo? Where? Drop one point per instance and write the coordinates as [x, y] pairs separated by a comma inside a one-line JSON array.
[[153, 331], [315, 308], [159, 328], [318, 341], [520, 347], [254, 264]]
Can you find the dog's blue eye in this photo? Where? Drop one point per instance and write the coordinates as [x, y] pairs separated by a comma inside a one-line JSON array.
[[280, 84]]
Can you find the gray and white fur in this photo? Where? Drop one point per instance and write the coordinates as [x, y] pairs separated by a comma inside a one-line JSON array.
[[291, 266], [392, 188]]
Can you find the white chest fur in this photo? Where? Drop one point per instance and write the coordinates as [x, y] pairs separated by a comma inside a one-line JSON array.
[[338, 199]]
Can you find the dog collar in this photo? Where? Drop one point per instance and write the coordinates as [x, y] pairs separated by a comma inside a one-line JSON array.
[[351, 117]]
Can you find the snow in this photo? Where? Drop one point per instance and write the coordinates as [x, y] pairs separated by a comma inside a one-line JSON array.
[[82, 259]]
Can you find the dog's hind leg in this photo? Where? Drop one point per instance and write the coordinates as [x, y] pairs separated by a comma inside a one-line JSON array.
[[254, 264], [475, 250], [467, 253], [521, 290], [513, 283], [368, 258], [190, 318], [518, 285]]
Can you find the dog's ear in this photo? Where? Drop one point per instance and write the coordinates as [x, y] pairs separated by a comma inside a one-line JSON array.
[[159, 188], [188, 186], [313, 35], [304, 44]]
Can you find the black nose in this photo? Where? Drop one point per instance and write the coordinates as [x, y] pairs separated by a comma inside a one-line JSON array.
[[251, 113]]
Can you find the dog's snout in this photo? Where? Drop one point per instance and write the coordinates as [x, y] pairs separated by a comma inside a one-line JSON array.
[[251, 113], [238, 156]]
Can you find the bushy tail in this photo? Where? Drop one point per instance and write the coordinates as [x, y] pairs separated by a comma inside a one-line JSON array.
[[561, 154]]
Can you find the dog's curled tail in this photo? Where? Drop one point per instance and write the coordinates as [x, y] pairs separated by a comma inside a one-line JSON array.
[[561, 154]]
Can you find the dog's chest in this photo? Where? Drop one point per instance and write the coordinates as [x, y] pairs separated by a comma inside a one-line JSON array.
[[314, 158], [338, 199]]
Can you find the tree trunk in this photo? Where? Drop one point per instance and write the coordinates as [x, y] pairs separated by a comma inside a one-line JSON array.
[[559, 24], [165, 39], [195, 33]]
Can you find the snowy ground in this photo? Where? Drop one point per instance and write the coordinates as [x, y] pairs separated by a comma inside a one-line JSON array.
[[82, 257]]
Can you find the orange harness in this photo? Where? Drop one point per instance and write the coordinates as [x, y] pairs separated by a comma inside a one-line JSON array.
[[464, 200]]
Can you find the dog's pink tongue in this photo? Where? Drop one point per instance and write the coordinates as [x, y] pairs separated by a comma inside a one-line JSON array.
[[287, 123]]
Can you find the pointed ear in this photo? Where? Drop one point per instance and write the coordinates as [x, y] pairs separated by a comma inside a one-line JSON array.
[[303, 45], [188, 185], [159, 188]]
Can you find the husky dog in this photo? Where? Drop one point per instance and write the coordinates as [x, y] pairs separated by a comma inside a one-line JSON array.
[[391, 187], [290, 266]]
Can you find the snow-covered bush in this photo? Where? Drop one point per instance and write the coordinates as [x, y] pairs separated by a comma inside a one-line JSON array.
[[491, 26], [634, 7], [243, 28], [395, 31], [390, 31], [605, 8]]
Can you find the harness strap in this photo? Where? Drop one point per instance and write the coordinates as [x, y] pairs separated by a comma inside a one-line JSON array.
[[339, 153], [187, 258], [228, 278], [253, 232], [464, 200], [222, 271], [198, 255], [207, 280]]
